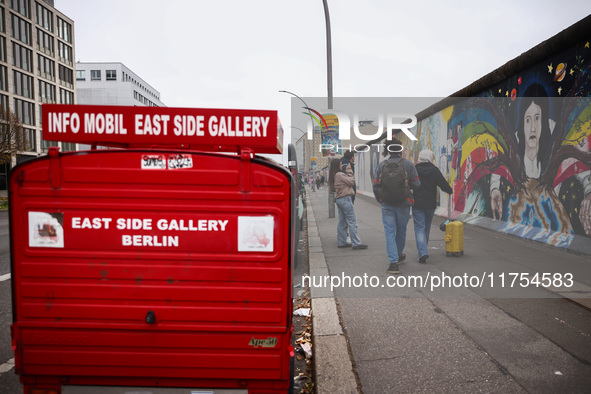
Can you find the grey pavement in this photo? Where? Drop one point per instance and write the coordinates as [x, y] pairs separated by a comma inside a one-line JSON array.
[[466, 337]]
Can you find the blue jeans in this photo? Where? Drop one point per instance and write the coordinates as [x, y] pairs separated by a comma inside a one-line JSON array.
[[422, 219], [395, 220], [347, 219]]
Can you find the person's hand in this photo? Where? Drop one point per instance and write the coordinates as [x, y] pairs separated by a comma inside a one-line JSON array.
[[585, 214], [496, 203]]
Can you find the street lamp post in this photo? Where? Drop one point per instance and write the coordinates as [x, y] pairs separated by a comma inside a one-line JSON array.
[[303, 144], [328, 54], [331, 199]]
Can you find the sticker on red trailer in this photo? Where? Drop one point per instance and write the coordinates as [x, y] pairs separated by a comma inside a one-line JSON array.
[[46, 230], [153, 162], [255, 233], [179, 161]]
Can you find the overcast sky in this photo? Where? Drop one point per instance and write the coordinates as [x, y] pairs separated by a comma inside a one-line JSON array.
[[239, 53]]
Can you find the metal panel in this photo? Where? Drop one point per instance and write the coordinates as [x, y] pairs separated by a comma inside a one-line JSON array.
[[132, 267]]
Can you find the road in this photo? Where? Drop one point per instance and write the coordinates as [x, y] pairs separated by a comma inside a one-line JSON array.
[[458, 339], [9, 381]]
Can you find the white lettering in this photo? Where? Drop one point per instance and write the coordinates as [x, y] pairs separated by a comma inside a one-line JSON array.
[[89, 123], [100, 123], [134, 224], [91, 223], [256, 123], [265, 123], [75, 123], [223, 128], [213, 126], [188, 125], [401, 126], [150, 240], [246, 126], [191, 225]]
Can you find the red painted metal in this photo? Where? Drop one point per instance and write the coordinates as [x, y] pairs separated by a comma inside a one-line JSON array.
[[195, 128], [154, 268]]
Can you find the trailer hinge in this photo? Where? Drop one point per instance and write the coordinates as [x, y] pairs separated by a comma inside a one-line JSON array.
[[246, 156], [55, 167]]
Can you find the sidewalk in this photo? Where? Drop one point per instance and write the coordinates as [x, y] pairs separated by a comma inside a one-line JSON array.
[[465, 339]]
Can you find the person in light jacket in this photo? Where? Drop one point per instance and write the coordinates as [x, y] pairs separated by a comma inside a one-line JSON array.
[[341, 183]]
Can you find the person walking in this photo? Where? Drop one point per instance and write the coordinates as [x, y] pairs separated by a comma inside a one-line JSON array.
[[425, 200], [341, 183], [394, 180]]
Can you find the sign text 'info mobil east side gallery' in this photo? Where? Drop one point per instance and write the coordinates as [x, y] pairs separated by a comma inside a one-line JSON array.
[[117, 125]]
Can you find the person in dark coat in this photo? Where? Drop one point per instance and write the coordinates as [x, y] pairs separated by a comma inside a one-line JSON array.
[[426, 200]]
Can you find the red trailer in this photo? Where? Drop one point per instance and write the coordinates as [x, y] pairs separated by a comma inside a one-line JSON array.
[[166, 264]]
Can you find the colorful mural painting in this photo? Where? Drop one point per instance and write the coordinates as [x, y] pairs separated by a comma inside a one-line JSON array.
[[520, 152]]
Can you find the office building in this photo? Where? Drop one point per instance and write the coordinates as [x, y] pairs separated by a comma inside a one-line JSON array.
[[36, 67], [112, 83]]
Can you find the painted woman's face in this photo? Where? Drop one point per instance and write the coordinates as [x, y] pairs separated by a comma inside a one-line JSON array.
[[533, 125]]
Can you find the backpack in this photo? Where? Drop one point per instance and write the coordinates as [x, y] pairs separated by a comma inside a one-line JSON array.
[[393, 184]]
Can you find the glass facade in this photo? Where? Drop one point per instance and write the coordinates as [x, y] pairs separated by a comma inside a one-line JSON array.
[[36, 68]]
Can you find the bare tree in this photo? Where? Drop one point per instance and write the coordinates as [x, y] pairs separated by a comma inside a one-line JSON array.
[[12, 135]]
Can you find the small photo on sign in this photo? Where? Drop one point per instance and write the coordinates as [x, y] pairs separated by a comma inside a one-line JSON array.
[[46, 230], [255, 233]]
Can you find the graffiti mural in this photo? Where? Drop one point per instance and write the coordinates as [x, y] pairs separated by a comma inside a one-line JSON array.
[[520, 152]]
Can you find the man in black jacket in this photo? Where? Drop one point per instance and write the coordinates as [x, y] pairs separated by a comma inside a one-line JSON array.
[[425, 200]]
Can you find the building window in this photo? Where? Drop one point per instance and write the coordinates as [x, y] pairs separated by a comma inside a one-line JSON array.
[[25, 111], [2, 25], [44, 17], [45, 42], [64, 52], [80, 75], [66, 75], [46, 67], [3, 49], [46, 92], [23, 85], [30, 136], [95, 75], [64, 30], [111, 75], [66, 97], [23, 7], [21, 29], [4, 101], [68, 146], [3, 78], [45, 145], [22, 57]]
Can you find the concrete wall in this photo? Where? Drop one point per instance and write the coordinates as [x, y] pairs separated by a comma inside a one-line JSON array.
[[482, 144]]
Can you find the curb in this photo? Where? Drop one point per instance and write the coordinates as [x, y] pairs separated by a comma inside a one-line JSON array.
[[332, 362]]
